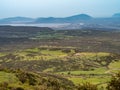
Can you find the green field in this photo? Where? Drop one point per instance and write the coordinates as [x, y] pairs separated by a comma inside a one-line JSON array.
[[92, 72], [95, 80]]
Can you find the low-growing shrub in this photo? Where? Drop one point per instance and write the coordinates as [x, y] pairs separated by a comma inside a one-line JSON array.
[[87, 86], [114, 84]]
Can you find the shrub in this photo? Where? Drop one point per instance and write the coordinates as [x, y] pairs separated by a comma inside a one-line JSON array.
[[26, 77], [3, 86], [114, 84], [87, 86], [16, 88]]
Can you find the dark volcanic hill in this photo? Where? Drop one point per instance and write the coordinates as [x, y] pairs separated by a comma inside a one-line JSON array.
[[21, 31]]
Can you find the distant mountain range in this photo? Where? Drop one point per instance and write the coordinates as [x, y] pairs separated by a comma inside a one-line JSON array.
[[75, 21], [16, 20], [71, 19]]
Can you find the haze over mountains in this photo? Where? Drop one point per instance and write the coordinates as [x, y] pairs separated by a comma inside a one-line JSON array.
[[71, 22], [75, 18]]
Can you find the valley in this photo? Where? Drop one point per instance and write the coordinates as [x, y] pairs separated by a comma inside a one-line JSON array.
[[57, 59]]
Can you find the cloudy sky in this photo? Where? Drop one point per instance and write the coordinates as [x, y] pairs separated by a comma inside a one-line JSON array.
[[58, 8]]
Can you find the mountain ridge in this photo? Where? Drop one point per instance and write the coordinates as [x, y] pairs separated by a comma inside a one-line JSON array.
[[79, 21], [17, 19], [73, 18], [70, 19]]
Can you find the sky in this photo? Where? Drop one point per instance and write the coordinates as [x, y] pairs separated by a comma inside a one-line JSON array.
[[58, 8]]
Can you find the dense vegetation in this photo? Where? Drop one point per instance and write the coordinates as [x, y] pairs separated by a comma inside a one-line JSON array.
[[46, 59], [22, 80], [114, 84], [14, 38]]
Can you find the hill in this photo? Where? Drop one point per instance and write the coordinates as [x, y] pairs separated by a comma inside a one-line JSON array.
[[23, 80], [84, 40], [71, 19], [16, 20], [117, 15], [78, 18], [24, 20]]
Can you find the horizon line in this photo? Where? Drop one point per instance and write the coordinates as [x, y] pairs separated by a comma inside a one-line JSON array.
[[59, 16]]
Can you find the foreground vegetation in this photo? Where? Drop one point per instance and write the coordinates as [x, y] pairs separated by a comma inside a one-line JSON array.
[[78, 67], [22, 80]]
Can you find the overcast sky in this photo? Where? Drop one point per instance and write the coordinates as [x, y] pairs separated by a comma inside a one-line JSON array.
[[58, 8]]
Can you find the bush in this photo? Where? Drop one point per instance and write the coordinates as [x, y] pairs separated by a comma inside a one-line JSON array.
[[114, 84], [26, 77], [3, 86], [15, 88], [87, 86]]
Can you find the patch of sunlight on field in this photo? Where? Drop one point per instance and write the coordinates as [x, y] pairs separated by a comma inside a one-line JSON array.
[[38, 54], [93, 80], [92, 55], [49, 70], [2, 54], [115, 65], [32, 50], [95, 71], [51, 52]]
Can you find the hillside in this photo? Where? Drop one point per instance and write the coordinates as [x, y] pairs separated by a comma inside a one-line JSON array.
[[22, 80], [20, 20], [84, 40], [33, 58], [71, 19], [16, 20]]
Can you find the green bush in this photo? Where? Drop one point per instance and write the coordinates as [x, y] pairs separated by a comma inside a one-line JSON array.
[[26, 77], [15, 88], [114, 84], [87, 86], [3, 86]]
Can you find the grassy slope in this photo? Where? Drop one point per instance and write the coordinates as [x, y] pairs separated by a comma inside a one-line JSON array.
[[32, 81], [97, 75], [7, 77]]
